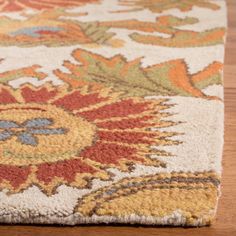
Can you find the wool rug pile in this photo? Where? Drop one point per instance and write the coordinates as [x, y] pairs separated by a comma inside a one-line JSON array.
[[111, 111]]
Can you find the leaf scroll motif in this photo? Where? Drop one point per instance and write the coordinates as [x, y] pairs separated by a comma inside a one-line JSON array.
[[131, 79]]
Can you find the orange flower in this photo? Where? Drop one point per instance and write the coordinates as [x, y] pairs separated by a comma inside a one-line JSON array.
[[52, 135]]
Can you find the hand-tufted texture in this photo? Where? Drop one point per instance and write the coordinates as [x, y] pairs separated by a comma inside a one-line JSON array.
[[111, 111]]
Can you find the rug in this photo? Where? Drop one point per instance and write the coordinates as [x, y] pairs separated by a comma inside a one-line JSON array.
[[111, 111]]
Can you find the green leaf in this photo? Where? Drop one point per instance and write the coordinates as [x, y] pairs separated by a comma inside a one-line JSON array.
[[129, 77]]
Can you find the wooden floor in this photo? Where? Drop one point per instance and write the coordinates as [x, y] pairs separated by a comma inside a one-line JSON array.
[[225, 224]]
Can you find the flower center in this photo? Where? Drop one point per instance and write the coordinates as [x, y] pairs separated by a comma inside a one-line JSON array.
[[26, 132], [39, 133]]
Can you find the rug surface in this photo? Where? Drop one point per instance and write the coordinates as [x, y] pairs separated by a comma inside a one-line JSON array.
[[111, 111]]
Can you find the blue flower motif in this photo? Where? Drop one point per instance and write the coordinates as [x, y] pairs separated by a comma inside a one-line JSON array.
[[35, 31], [28, 130]]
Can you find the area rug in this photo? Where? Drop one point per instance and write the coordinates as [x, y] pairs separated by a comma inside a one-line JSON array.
[[111, 111]]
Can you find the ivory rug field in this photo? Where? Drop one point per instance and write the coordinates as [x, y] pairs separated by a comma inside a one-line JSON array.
[[111, 111]]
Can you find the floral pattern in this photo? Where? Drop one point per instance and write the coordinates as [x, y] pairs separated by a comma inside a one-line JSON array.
[[117, 110], [26, 72], [19, 5], [48, 28], [158, 6], [168, 25], [92, 130], [122, 75]]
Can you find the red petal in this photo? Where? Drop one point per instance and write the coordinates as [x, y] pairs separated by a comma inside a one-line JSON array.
[[14, 174], [41, 95], [37, 6], [12, 6], [126, 137], [76, 100], [65, 169], [118, 109], [130, 123], [6, 97], [109, 153]]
